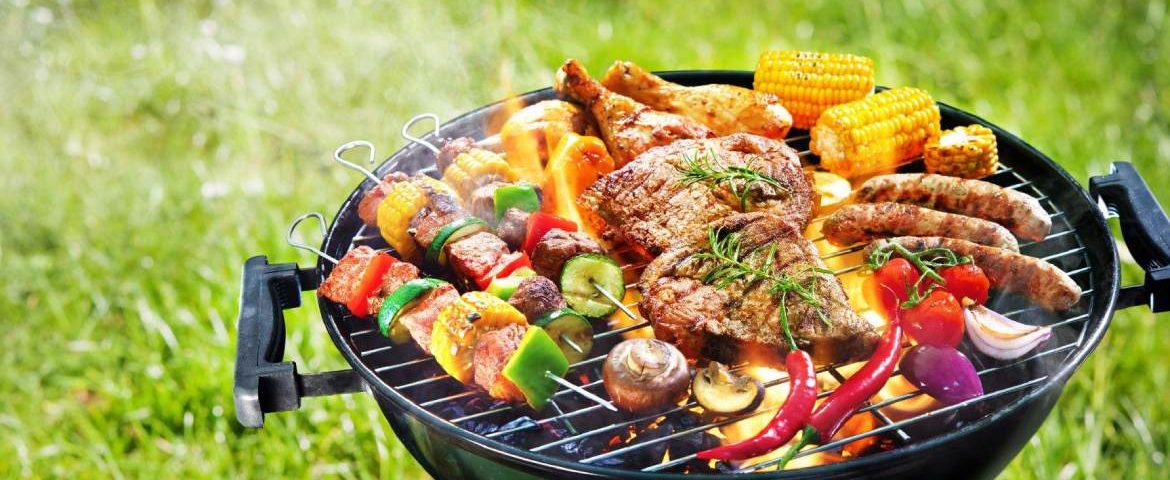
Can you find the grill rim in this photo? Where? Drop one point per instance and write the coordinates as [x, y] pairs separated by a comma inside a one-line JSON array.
[[1105, 281]]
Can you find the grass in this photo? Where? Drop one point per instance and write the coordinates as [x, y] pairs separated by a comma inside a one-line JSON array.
[[150, 147]]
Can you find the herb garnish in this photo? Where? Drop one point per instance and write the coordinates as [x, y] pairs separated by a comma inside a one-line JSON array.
[[926, 261], [732, 264], [739, 179]]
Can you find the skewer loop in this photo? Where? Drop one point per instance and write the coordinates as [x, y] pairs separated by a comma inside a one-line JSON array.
[[304, 246]]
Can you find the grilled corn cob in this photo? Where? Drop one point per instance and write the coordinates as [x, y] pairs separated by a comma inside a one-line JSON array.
[[875, 133], [968, 152], [807, 83], [403, 200], [473, 167], [458, 326]]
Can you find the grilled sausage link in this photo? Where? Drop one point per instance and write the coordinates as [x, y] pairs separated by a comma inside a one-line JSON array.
[[865, 221], [1019, 212], [1040, 281]]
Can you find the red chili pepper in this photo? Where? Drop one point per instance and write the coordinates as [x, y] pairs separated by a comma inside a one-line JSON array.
[[359, 301], [508, 263], [539, 224], [845, 400], [802, 395]]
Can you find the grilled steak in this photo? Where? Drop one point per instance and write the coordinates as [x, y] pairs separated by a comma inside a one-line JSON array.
[[492, 351], [438, 212], [420, 320], [398, 274], [474, 256], [1019, 212], [513, 227], [556, 247], [346, 275], [741, 320], [863, 222], [537, 296], [649, 201], [1043, 283], [368, 206]]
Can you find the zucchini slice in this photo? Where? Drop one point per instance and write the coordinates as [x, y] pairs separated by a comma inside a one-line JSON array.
[[402, 300], [572, 332], [464, 227], [579, 277]]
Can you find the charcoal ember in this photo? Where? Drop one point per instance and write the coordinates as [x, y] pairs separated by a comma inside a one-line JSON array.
[[519, 431], [481, 428], [655, 448], [692, 443]]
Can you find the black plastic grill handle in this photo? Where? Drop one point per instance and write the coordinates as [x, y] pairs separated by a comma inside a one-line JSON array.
[[1146, 231]]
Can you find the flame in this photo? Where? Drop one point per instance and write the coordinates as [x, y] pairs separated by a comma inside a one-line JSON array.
[[522, 147]]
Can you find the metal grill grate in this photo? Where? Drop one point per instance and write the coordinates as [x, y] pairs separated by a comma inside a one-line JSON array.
[[417, 377]]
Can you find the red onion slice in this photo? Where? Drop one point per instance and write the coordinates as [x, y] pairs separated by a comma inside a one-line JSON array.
[[1000, 337]]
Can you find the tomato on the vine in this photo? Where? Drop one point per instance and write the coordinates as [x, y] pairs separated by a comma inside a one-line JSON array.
[[899, 276], [936, 320], [966, 281]]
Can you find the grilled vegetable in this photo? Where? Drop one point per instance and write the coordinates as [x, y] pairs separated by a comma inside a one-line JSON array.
[[941, 372], [876, 133], [832, 188], [403, 200], [571, 331], [575, 164], [474, 168], [643, 375], [1000, 337], [535, 359], [459, 325], [810, 82], [519, 195], [450, 233], [968, 152], [359, 301], [583, 275], [504, 287], [401, 301], [966, 281], [507, 264], [936, 320], [539, 224], [721, 391]]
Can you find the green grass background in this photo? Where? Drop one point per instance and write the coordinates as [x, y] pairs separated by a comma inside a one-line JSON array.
[[147, 148]]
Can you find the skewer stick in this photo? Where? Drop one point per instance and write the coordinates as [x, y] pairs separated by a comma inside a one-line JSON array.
[[410, 123], [584, 393], [348, 164], [573, 345], [304, 246], [616, 301]]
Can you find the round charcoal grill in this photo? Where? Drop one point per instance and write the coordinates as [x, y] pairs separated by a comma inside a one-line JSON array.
[[456, 432]]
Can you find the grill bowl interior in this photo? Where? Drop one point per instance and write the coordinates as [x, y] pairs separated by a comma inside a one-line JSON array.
[[442, 422]]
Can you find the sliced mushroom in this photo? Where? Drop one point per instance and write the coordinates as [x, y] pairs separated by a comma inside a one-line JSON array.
[[644, 375], [721, 391]]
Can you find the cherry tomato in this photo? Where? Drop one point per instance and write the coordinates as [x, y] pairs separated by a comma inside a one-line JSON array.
[[966, 281], [937, 320], [898, 275]]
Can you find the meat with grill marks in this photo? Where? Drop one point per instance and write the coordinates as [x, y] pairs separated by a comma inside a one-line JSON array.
[[651, 203], [863, 222], [628, 127], [741, 321]]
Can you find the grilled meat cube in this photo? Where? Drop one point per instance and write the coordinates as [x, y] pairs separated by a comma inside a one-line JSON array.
[[628, 127], [651, 203], [483, 201], [451, 149], [537, 296], [368, 206], [741, 321], [1049, 287], [474, 256], [346, 275], [863, 222], [513, 227], [439, 211], [398, 274], [1019, 212], [556, 247], [493, 349], [725, 109], [420, 319]]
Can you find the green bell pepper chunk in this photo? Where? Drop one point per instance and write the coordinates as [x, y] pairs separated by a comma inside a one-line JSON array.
[[536, 355], [517, 195]]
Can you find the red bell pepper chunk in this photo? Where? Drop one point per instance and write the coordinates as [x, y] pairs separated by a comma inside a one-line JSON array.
[[359, 301], [508, 263], [539, 224]]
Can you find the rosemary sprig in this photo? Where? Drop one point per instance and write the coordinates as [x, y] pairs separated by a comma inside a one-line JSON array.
[[926, 261], [739, 179], [732, 264]]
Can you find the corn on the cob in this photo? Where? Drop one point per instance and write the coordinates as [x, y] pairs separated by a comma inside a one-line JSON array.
[[968, 152], [403, 200], [471, 167], [458, 326], [875, 133], [807, 83]]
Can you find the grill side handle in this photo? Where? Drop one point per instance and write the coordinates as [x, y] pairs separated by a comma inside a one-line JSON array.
[[264, 382], [1146, 231]]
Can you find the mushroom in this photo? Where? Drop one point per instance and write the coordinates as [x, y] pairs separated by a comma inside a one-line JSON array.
[[721, 391], [644, 375]]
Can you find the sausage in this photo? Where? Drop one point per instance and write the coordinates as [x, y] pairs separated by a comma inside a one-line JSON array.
[[865, 221], [1043, 283], [1019, 212]]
